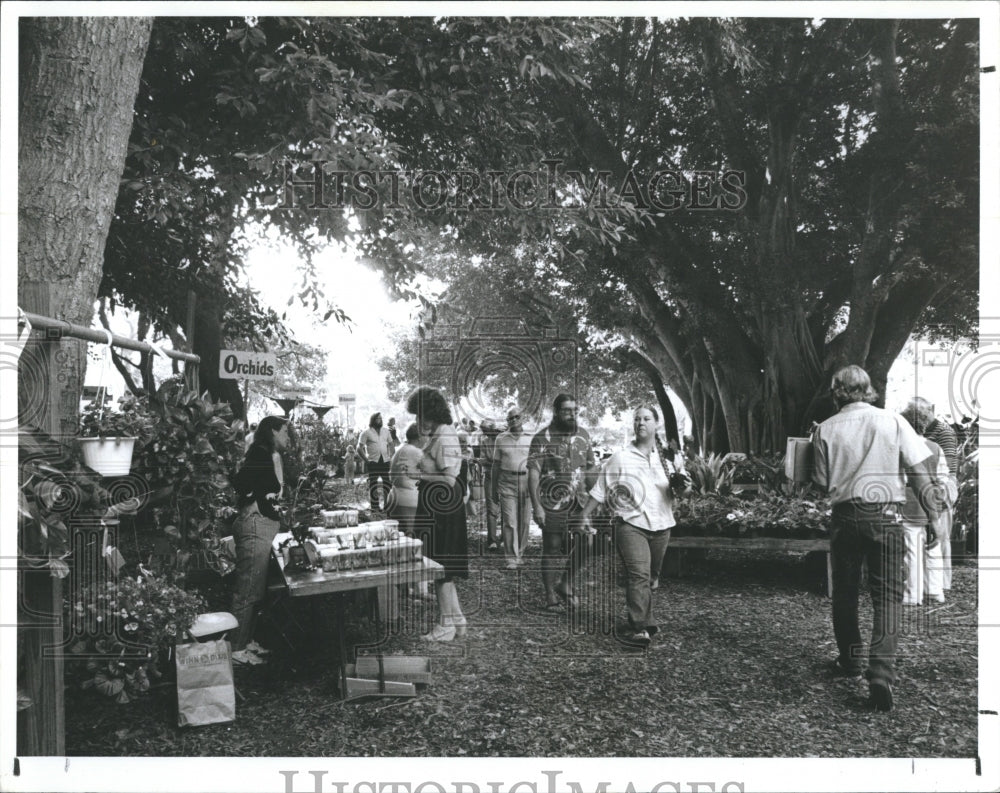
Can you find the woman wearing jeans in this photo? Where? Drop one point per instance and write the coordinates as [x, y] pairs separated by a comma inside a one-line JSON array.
[[258, 487], [638, 484]]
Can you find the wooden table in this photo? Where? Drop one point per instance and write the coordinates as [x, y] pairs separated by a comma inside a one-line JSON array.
[[298, 583], [759, 544]]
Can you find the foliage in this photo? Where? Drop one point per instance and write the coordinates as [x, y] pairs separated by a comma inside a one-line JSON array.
[[967, 505], [313, 442], [741, 310], [503, 288], [131, 623], [54, 490], [769, 514], [186, 466], [132, 419], [711, 474]]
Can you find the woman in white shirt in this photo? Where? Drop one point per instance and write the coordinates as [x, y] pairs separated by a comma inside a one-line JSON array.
[[402, 501], [639, 483], [440, 519]]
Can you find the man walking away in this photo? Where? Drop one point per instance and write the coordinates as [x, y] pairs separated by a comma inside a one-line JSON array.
[[863, 455]]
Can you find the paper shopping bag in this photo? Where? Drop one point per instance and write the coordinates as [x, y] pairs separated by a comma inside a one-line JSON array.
[[205, 693]]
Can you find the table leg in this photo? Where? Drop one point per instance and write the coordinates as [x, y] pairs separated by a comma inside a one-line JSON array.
[[373, 595], [341, 644]]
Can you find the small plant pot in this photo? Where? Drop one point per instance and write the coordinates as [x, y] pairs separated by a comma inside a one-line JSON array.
[[108, 456]]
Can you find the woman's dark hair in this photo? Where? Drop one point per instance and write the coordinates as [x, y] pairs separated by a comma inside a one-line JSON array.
[[264, 436], [429, 404], [665, 452], [371, 421], [412, 432]]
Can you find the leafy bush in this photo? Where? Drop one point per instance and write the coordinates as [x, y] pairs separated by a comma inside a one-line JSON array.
[[54, 489], [196, 444], [129, 625], [967, 505]]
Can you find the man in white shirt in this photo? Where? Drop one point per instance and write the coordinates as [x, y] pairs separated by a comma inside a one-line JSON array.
[[510, 474], [373, 448], [864, 458]]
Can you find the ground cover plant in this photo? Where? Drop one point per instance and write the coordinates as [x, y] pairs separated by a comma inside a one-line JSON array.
[[740, 668]]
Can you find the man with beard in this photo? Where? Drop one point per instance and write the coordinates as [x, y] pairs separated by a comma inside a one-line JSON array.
[[373, 448], [561, 471], [863, 458]]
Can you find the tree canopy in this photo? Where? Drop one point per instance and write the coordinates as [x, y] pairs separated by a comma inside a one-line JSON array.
[[740, 206], [849, 222]]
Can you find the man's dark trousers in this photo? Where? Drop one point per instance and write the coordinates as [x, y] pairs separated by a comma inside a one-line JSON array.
[[376, 470], [867, 533]]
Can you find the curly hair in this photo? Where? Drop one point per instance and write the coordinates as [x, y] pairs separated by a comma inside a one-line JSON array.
[[852, 384], [428, 404]]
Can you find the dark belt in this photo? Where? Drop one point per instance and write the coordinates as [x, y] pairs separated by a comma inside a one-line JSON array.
[[513, 473], [855, 507]]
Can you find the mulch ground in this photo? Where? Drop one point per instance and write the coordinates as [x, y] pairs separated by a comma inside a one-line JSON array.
[[740, 668]]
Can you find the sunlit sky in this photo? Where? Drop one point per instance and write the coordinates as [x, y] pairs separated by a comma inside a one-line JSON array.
[[353, 349]]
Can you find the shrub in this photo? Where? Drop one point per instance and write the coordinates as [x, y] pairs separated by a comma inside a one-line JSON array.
[[196, 444], [770, 514]]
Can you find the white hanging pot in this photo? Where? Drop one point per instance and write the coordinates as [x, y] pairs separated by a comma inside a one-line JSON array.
[[108, 456]]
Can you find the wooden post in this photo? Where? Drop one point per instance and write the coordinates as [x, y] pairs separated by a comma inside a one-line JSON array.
[[191, 379], [50, 377]]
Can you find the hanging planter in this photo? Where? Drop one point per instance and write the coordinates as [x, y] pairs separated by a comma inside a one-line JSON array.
[[108, 456]]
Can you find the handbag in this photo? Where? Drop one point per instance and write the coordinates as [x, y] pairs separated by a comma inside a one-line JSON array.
[[205, 692]]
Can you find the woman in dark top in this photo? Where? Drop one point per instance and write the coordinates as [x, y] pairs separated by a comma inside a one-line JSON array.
[[258, 487], [440, 519]]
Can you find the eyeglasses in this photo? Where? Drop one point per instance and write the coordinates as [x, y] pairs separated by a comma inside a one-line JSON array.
[[514, 417]]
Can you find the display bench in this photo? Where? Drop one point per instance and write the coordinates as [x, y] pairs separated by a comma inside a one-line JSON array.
[[311, 583], [674, 562]]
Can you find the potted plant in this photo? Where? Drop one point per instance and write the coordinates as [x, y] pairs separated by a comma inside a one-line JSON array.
[[127, 628], [107, 437]]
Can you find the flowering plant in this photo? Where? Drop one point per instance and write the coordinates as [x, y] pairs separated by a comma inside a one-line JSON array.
[[769, 514], [125, 626]]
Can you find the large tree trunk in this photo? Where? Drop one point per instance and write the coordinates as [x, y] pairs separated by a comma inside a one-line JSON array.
[[78, 82]]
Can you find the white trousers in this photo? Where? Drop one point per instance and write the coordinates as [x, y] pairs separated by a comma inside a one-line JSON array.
[[924, 568]]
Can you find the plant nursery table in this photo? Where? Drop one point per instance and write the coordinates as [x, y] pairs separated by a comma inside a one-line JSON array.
[[310, 583], [757, 544]]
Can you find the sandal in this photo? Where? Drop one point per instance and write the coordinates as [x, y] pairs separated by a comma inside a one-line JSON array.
[[555, 608]]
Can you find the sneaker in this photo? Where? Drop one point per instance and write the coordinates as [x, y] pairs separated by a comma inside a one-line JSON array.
[[440, 633], [654, 584], [246, 658], [491, 547], [880, 695], [512, 564]]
